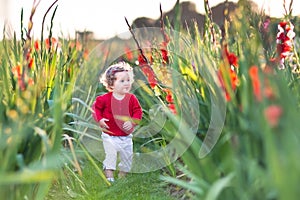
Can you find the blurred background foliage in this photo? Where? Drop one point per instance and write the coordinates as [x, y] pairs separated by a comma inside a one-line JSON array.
[[241, 67]]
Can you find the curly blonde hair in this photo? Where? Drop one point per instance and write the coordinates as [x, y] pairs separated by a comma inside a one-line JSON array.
[[108, 77]]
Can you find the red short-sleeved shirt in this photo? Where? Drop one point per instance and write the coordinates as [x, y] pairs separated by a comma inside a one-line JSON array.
[[117, 112]]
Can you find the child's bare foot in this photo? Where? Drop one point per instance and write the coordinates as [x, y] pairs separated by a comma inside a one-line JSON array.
[[109, 175], [122, 174]]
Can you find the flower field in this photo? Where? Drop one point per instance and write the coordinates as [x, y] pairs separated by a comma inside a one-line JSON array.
[[221, 107]]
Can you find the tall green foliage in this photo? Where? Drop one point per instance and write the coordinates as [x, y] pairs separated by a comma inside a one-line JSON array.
[[36, 83]]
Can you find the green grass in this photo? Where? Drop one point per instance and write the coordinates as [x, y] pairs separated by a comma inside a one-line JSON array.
[[146, 186]]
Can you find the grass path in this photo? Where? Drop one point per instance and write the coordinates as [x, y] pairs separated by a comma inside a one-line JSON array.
[[147, 186]]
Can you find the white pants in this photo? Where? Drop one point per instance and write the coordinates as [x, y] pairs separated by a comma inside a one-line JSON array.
[[114, 145]]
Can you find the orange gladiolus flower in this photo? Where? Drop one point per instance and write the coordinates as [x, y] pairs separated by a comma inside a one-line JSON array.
[[51, 43], [16, 71], [30, 81], [253, 73], [77, 45], [129, 54], [85, 54]]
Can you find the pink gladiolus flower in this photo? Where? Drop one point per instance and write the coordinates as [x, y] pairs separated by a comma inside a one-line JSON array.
[[273, 114]]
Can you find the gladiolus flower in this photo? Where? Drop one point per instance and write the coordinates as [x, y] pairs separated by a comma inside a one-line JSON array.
[[22, 79], [266, 24], [85, 54], [21, 84], [268, 91], [30, 81], [230, 57], [169, 96], [253, 73], [165, 57], [30, 64], [273, 114], [52, 43], [164, 52], [226, 74], [129, 54], [148, 72], [172, 108], [77, 45], [284, 41], [16, 71], [142, 60], [36, 45]]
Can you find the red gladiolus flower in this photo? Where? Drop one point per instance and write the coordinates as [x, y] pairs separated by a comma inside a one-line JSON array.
[[164, 52], [36, 45], [225, 73], [273, 114], [284, 41], [142, 60], [148, 72], [172, 108], [152, 83], [253, 73], [28, 54], [22, 79], [29, 58], [165, 57], [30, 64], [169, 96], [230, 57]]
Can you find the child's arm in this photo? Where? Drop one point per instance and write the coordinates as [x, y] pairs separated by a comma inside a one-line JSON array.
[[98, 109], [137, 111]]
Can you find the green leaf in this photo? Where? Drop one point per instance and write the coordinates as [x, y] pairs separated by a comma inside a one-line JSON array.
[[218, 186]]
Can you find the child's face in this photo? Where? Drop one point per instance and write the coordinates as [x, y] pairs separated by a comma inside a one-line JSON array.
[[122, 83]]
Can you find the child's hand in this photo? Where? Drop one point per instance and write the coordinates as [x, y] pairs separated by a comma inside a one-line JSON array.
[[103, 124], [127, 125]]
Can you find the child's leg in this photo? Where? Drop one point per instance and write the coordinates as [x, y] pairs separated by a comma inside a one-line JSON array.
[[126, 153], [109, 163]]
